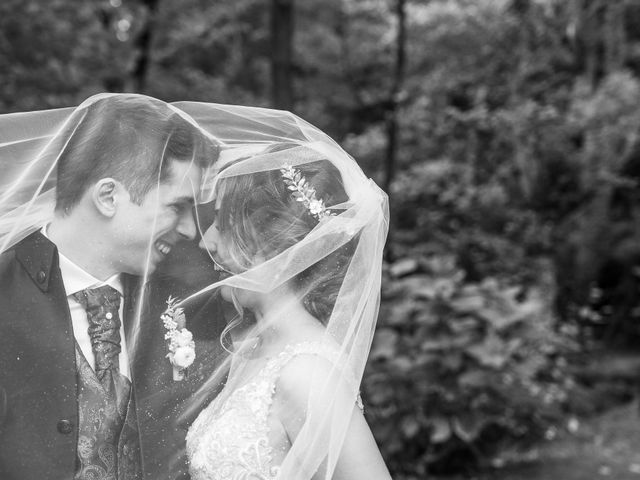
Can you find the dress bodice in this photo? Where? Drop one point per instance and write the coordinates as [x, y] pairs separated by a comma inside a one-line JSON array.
[[230, 439]]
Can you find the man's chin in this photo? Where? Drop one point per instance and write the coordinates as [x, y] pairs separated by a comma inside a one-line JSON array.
[[144, 270], [151, 269], [154, 262], [159, 262]]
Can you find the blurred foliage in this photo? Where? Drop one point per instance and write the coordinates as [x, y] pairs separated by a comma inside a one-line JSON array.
[[56, 53], [460, 370], [515, 210]]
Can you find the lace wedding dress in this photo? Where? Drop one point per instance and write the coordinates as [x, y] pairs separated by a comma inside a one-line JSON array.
[[232, 439]]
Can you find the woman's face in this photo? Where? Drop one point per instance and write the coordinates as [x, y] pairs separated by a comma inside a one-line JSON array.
[[218, 247], [213, 242]]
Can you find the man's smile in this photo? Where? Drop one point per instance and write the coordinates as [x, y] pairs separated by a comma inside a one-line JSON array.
[[163, 246]]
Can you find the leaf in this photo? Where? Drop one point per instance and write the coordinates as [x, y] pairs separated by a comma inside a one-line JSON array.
[[464, 324], [452, 361], [468, 304], [416, 285], [384, 344], [440, 429], [410, 427], [402, 364], [491, 353], [468, 427], [475, 378], [403, 267]]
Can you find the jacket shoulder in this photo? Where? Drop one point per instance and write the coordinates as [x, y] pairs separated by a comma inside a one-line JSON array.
[[33, 253], [8, 261]]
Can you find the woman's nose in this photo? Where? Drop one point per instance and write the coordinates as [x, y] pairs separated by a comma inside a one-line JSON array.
[[209, 240]]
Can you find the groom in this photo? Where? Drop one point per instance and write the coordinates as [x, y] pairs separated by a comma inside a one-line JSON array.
[[127, 172]]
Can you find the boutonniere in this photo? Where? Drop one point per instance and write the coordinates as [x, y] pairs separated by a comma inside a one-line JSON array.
[[180, 342]]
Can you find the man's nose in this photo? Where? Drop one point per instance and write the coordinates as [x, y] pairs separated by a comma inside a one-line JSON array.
[[187, 225]]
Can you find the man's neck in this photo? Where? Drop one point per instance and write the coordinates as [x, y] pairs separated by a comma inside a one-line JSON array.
[[83, 245]]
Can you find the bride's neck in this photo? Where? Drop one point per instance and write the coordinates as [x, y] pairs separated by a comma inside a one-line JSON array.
[[279, 318]]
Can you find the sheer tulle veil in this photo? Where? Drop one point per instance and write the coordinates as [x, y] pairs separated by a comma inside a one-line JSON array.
[[330, 262]]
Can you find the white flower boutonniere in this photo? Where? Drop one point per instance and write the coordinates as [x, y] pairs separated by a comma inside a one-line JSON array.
[[180, 343]]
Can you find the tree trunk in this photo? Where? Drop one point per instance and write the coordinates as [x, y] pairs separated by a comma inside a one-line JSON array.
[[281, 54], [138, 80], [523, 137], [601, 41], [614, 37], [396, 90], [113, 80], [392, 115]]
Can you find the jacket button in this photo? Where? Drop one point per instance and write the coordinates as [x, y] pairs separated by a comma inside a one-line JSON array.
[[65, 426], [41, 276]]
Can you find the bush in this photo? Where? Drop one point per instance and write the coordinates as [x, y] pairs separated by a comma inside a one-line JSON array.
[[460, 370]]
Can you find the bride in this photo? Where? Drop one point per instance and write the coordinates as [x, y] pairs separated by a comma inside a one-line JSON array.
[[299, 232]]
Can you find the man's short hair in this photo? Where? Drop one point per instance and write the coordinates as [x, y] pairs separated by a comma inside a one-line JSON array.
[[130, 138]]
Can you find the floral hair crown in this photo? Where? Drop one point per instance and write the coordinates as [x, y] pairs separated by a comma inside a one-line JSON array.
[[305, 193]]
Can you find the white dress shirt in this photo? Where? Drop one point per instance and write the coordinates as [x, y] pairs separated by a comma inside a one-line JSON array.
[[75, 280]]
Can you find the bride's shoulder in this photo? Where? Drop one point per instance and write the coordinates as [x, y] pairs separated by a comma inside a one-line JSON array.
[[311, 365], [316, 376]]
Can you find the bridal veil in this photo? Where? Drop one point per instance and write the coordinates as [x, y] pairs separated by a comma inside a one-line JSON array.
[[343, 246]]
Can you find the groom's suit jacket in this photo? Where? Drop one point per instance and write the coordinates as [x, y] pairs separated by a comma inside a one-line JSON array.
[[38, 402], [38, 383]]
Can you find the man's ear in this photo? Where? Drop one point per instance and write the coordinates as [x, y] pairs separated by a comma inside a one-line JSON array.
[[104, 196]]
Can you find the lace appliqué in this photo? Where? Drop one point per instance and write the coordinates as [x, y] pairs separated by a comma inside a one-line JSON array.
[[230, 439]]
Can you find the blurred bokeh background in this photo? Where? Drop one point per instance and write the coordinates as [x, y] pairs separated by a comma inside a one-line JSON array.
[[507, 134]]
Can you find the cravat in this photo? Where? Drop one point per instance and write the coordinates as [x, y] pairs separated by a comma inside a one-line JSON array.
[[102, 305], [108, 430]]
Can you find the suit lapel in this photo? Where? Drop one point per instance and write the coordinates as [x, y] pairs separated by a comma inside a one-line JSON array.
[[39, 257]]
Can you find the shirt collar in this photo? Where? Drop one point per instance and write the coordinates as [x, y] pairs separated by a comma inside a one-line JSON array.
[[76, 279]]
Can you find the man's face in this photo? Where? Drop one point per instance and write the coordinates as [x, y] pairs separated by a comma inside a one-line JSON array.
[[149, 231]]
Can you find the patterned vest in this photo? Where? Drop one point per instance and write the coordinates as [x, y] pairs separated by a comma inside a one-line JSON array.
[[108, 442]]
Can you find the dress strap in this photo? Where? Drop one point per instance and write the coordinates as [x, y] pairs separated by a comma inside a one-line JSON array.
[[320, 349]]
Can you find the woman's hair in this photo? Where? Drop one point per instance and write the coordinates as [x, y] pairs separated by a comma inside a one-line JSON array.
[[259, 218]]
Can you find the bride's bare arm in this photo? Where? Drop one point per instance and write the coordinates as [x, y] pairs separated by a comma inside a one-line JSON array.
[[359, 456]]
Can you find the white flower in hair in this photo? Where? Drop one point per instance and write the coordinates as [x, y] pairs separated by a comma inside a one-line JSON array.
[[316, 207], [304, 193]]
